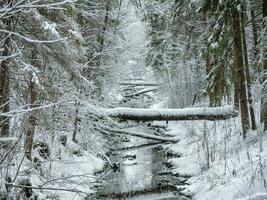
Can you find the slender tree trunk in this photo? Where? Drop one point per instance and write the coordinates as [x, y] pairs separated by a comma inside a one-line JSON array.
[[4, 78], [206, 144], [240, 68], [264, 63], [101, 41], [118, 15], [77, 119], [235, 80], [76, 122], [102, 34], [252, 115], [255, 34], [32, 117], [207, 58]]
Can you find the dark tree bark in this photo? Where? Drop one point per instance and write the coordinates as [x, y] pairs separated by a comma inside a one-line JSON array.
[[264, 64], [207, 57], [101, 41], [33, 100], [4, 78], [101, 36], [76, 122], [235, 81], [252, 115], [240, 69], [255, 34]]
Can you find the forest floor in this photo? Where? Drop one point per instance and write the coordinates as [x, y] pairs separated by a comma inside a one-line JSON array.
[[63, 172], [232, 168]]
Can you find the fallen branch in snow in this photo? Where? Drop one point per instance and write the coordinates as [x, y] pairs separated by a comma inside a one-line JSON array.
[[139, 83], [138, 134], [156, 126], [46, 188], [137, 147], [8, 139], [201, 113], [140, 92]]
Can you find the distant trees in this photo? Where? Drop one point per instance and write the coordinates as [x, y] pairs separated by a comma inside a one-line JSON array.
[[174, 36], [210, 38], [217, 50]]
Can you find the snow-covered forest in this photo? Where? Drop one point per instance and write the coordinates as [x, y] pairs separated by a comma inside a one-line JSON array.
[[133, 99]]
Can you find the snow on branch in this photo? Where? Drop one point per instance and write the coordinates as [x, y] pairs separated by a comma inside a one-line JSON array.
[[200, 113], [139, 83], [3, 58], [19, 6], [32, 40], [31, 107], [141, 92], [45, 188], [8, 139], [137, 134]]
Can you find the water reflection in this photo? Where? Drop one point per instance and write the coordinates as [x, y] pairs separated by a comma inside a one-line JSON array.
[[138, 174]]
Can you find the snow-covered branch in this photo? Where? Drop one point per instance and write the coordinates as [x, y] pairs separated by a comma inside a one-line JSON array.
[[32, 40], [141, 92], [139, 83], [137, 134]]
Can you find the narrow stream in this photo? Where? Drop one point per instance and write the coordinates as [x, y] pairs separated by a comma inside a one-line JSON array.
[[141, 169], [143, 173]]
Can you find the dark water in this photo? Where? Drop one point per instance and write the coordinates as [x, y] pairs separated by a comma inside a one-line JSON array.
[[143, 173]]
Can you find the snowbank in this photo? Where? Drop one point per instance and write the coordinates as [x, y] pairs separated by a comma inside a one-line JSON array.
[[229, 168]]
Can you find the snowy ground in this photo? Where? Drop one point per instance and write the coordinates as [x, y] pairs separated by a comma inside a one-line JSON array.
[[237, 169], [64, 172]]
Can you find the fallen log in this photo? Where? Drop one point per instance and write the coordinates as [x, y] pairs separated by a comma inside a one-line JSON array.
[[140, 92], [45, 188], [200, 113], [138, 134], [139, 84], [8, 139]]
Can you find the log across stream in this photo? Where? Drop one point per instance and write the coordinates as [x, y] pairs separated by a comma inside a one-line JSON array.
[[198, 113], [142, 172]]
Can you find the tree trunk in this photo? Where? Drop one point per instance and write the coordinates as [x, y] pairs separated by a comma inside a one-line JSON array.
[[235, 80], [240, 69], [76, 122], [32, 117], [207, 58], [4, 78], [255, 33], [101, 41], [102, 34], [252, 115], [264, 63]]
